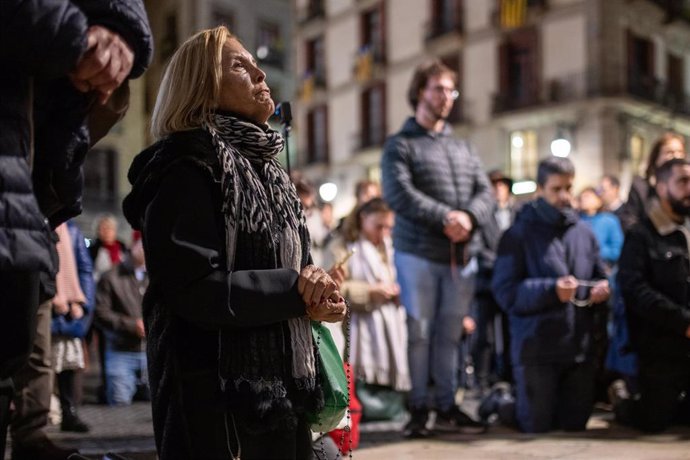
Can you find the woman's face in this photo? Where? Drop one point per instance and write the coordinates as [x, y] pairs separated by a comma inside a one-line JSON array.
[[670, 150], [377, 226], [590, 203], [107, 232], [243, 88]]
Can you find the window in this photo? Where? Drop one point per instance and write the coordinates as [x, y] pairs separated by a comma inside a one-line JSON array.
[[100, 184], [373, 33], [446, 17], [270, 48], [519, 70], [676, 77], [315, 9], [317, 135], [524, 156], [373, 119], [641, 80], [638, 157], [316, 61]]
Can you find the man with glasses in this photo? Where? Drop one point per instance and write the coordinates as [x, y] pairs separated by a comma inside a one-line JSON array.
[[550, 279], [435, 184]]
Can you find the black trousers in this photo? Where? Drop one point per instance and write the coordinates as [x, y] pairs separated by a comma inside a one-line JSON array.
[[491, 363], [661, 385], [18, 306]]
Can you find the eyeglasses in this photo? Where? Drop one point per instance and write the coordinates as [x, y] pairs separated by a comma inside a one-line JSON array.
[[450, 92]]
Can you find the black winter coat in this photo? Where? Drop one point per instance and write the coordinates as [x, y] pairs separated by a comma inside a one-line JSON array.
[[41, 41], [176, 201], [654, 277]]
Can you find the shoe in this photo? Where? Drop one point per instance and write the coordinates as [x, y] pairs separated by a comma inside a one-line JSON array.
[[489, 407], [72, 422], [618, 392], [454, 419], [40, 449], [416, 427]]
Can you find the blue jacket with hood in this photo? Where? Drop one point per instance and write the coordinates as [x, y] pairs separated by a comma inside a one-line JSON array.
[[542, 245]]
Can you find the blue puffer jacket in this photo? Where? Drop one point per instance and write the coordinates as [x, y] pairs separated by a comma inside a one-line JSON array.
[[542, 245], [63, 324], [42, 41]]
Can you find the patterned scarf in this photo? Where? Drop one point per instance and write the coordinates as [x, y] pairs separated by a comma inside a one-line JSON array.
[[258, 197]]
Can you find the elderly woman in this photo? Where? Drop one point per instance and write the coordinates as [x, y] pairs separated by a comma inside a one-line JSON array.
[[232, 360]]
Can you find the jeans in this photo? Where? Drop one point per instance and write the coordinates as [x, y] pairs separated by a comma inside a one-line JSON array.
[[124, 371], [436, 300], [554, 396]]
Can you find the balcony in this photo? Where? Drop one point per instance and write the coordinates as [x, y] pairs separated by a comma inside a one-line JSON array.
[[443, 26], [315, 9], [584, 85]]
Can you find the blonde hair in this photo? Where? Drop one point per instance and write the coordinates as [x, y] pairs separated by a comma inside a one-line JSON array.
[[191, 83]]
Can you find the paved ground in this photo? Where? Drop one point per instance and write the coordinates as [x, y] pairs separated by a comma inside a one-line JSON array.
[[128, 431]]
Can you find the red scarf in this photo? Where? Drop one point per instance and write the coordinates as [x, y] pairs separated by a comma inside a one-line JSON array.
[[114, 251]]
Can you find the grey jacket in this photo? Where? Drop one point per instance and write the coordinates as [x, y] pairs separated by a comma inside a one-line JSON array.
[[425, 175]]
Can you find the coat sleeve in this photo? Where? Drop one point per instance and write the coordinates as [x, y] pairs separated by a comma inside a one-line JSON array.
[[639, 295], [611, 247], [515, 292], [128, 19], [43, 38], [399, 189], [185, 254]]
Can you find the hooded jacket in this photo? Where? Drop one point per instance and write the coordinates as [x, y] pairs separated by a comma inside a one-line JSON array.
[[542, 245], [424, 176]]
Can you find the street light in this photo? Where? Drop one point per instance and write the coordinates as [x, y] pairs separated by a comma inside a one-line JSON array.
[[560, 147], [328, 191]]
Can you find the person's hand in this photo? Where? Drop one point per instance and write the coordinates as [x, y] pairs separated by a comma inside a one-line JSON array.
[[105, 64], [316, 286], [458, 227], [566, 287], [600, 292], [76, 311], [328, 310], [337, 274], [383, 292], [60, 308], [140, 331], [469, 325]]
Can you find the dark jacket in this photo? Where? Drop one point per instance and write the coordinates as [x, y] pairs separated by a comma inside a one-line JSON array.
[[176, 200], [64, 324], [654, 277], [42, 41], [541, 246], [119, 299], [425, 175]]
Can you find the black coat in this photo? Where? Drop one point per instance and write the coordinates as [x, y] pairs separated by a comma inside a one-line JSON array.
[[41, 41], [654, 278], [176, 202]]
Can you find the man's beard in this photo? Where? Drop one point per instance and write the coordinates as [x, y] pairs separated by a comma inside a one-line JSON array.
[[679, 206]]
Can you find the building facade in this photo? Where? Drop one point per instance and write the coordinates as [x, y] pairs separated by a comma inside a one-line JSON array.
[[607, 76], [265, 29]]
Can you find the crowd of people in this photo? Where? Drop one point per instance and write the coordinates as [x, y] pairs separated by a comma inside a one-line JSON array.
[[559, 301]]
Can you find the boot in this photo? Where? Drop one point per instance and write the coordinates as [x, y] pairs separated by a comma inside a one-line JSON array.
[[72, 422]]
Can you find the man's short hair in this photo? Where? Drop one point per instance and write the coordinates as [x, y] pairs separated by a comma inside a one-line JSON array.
[[665, 171], [421, 76], [554, 166], [613, 180]]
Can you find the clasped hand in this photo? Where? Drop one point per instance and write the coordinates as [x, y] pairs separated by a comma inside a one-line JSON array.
[[458, 226], [106, 63], [320, 294]]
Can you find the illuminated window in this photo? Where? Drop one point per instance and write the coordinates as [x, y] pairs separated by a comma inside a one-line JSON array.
[[637, 153], [524, 156]]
